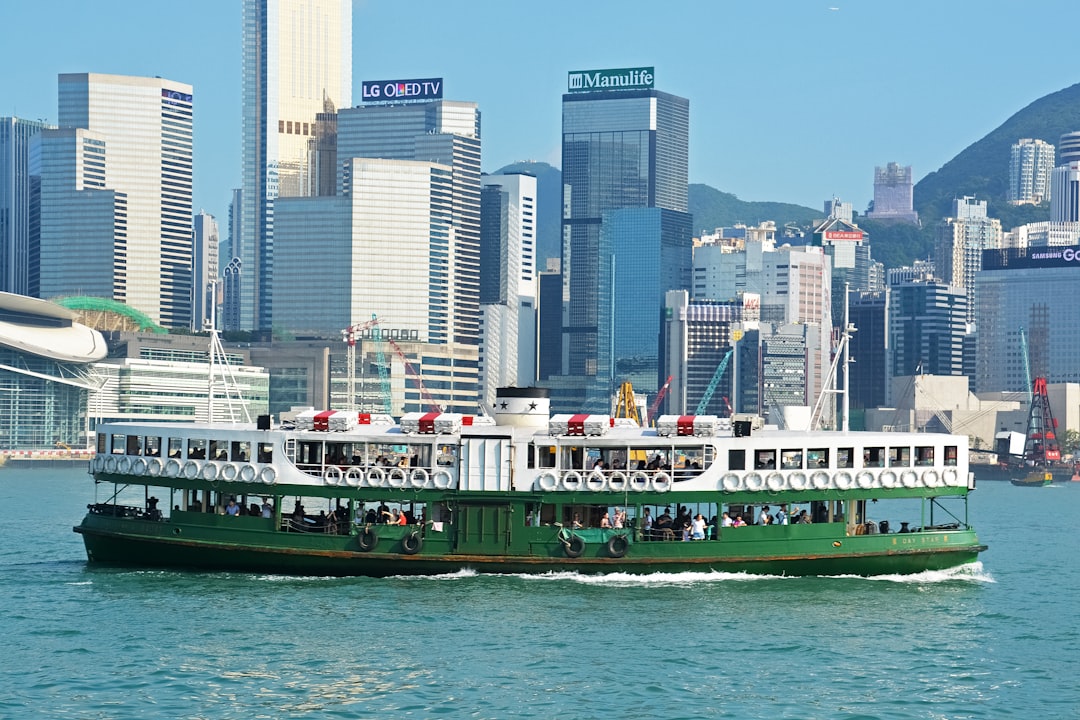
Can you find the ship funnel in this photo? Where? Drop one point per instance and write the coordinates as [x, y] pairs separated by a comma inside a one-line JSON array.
[[522, 407]]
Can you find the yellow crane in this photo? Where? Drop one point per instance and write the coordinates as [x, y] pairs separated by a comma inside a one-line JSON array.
[[625, 407]]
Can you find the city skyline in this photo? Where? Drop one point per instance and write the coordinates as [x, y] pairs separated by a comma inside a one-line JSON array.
[[862, 104]]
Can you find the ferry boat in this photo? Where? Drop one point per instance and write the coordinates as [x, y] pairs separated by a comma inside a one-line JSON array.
[[348, 493]]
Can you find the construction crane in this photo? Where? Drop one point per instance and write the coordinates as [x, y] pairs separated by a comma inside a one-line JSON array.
[[1041, 447], [349, 335], [411, 370], [714, 383], [625, 406], [660, 395]]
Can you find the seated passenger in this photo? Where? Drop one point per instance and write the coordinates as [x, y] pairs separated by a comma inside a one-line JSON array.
[[605, 521], [232, 508]]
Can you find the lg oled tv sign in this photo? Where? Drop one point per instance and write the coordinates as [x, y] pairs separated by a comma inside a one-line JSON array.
[[618, 79], [375, 91]]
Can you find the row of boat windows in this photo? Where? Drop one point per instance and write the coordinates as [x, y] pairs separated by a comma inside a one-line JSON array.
[[183, 448], [316, 454], [842, 458]]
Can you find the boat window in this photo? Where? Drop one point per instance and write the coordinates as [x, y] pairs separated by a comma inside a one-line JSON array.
[[101, 442], [447, 454], [537, 514], [736, 459], [241, 451], [118, 442], [764, 459], [152, 446], [176, 447], [266, 452], [818, 458], [196, 449], [545, 456], [900, 457], [791, 459], [845, 457], [337, 453], [950, 455], [924, 456], [134, 445], [873, 457]]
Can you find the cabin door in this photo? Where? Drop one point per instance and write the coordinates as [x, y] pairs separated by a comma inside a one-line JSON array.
[[483, 529]]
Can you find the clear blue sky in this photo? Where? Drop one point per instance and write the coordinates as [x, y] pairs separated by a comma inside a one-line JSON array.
[[790, 100]]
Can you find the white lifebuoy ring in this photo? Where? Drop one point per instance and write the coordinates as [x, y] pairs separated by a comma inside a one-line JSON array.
[[332, 475], [661, 482], [929, 479], [948, 477], [774, 481], [154, 466], [110, 464], [268, 475], [376, 477], [247, 473], [138, 466], [908, 478], [123, 464], [546, 481], [209, 471], [753, 482], [842, 480], [730, 482], [172, 468], [595, 481], [396, 478], [617, 481], [191, 470], [418, 478], [797, 480], [98, 463], [865, 480], [354, 476], [441, 479], [639, 481], [229, 472], [571, 481], [820, 480]]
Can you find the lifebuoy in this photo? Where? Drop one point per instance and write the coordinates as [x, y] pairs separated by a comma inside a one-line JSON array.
[[730, 482], [110, 464], [617, 546], [865, 480], [366, 539], [775, 482], [842, 480], [441, 479], [617, 481], [753, 482], [247, 473], [376, 477], [332, 475], [268, 476], [123, 464], [929, 479], [153, 467], [172, 468], [948, 477], [191, 470], [595, 481], [209, 471], [639, 481], [138, 466], [396, 478], [908, 478], [797, 480], [574, 546], [411, 543], [547, 480], [229, 472], [820, 480], [354, 476], [418, 478], [571, 480], [661, 482]]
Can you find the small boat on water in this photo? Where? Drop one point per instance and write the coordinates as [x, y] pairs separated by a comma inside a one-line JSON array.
[[347, 493]]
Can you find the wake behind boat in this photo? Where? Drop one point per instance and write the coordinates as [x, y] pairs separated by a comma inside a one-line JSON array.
[[345, 493]]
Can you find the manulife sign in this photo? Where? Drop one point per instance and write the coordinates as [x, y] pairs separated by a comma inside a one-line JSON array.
[[619, 79]]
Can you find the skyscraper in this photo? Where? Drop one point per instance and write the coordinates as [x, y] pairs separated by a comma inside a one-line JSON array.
[[1030, 164], [893, 194], [297, 64], [130, 137], [204, 270], [1065, 193], [960, 244], [15, 257], [625, 145]]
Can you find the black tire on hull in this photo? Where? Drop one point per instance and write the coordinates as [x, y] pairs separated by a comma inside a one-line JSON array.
[[367, 539], [574, 547]]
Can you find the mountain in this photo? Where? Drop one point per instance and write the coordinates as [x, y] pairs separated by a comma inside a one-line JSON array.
[[548, 206], [712, 208]]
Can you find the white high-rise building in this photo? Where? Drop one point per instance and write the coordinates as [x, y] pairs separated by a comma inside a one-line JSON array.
[[1029, 171], [961, 241], [131, 136], [297, 59], [204, 271], [1065, 193]]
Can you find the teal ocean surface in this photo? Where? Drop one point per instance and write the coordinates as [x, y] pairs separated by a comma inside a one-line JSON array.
[[995, 640]]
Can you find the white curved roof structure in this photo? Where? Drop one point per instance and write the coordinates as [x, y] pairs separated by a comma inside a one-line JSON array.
[[43, 328]]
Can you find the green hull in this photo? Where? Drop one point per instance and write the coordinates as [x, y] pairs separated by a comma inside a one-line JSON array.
[[786, 550]]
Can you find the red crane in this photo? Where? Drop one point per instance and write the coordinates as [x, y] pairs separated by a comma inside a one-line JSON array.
[[660, 395], [411, 370]]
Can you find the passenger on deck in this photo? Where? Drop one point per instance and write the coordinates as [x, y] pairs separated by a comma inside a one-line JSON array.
[[697, 527], [620, 519], [232, 508], [267, 508], [765, 518], [254, 511], [725, 520], [646, 525], [403, 518], [738, 522], [576, 522], [383, 514], [781, 516], [298, 512], [605, 521], [372, 517]]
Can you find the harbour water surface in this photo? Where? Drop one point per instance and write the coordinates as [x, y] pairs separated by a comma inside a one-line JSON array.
[[995, 640]]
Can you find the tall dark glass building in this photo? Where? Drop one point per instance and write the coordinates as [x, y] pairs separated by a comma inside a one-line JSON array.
[[625, 145]]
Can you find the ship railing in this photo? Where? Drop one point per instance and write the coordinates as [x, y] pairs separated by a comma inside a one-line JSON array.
[[123, 511]]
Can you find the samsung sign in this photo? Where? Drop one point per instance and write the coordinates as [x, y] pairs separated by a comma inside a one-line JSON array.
[[1036, 256], [374, 91], [618, 79]]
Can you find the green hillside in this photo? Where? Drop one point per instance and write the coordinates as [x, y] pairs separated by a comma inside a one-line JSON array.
[[712, 208]]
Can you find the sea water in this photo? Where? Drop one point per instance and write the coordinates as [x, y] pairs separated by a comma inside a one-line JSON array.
[[996, 639]]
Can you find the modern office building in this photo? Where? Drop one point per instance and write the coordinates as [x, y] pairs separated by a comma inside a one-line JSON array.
[[204, 271], [624, 145], [927, 325], [893, 194], [1042, 234], [1068, 149], [549, 356], [1027, 300], [847, 247], [435, 131], [1065, 193], [231, 266], [115, 194], [869, 313], [1030, 164], [508, 283], [961, 240], [16, 254], [297, 63]]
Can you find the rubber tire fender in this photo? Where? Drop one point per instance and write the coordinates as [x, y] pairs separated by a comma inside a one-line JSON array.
[[411, 543], [617, 546], [367, 539], [574, 547]]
